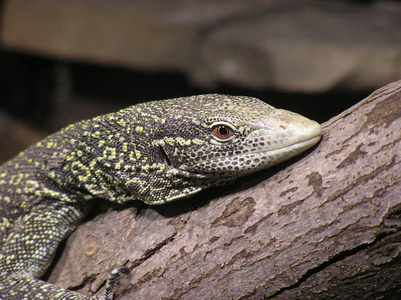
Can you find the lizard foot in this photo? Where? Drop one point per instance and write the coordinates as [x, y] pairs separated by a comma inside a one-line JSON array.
[[113, 281]]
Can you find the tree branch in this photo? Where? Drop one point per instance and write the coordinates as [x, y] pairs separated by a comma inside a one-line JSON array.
[[325, 226]]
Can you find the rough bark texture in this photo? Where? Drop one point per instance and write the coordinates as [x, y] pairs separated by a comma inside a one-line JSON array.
[[324, 226]]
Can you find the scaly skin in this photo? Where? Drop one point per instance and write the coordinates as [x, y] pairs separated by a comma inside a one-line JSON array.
[[155, 152]]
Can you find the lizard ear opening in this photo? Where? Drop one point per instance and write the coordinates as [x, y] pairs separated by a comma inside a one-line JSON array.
[[166, 159]]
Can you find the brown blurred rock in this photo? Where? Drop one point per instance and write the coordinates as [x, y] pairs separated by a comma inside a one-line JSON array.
[[308, 47], [15, 136], [150, 34], [290, 45]]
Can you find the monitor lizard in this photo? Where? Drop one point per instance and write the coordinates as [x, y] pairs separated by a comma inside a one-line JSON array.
[[155, 152]]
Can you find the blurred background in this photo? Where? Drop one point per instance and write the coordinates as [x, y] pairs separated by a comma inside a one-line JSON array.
[[64, 61]]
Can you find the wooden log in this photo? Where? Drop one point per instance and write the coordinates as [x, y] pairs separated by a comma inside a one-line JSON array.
[[325, 225]]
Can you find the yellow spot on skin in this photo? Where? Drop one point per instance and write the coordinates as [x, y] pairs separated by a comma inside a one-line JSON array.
[[132, 156], [183, 142], [5, 222], [50, 144], [198, 141], [96, 134], [139, 129], [109, 153], [92, 163], [169, 140], [137, 154]]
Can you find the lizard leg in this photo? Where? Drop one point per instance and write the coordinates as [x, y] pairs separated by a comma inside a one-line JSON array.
[[113, 281], [29, 250]]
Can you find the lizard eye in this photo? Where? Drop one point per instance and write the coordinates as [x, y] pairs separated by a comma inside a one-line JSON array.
[[222, 132]]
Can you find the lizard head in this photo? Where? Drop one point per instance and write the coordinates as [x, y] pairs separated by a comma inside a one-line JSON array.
[[212, 139], [180, 146], [231, 135]]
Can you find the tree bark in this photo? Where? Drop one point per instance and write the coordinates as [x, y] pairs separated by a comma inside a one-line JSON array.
[[325, 225]]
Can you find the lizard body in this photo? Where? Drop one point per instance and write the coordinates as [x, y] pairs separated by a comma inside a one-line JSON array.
[[155, 152]]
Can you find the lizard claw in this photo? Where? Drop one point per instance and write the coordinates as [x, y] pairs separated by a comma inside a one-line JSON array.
[[113, 281]]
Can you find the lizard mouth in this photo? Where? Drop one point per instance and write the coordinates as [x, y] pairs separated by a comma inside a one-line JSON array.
[[301, 146]]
